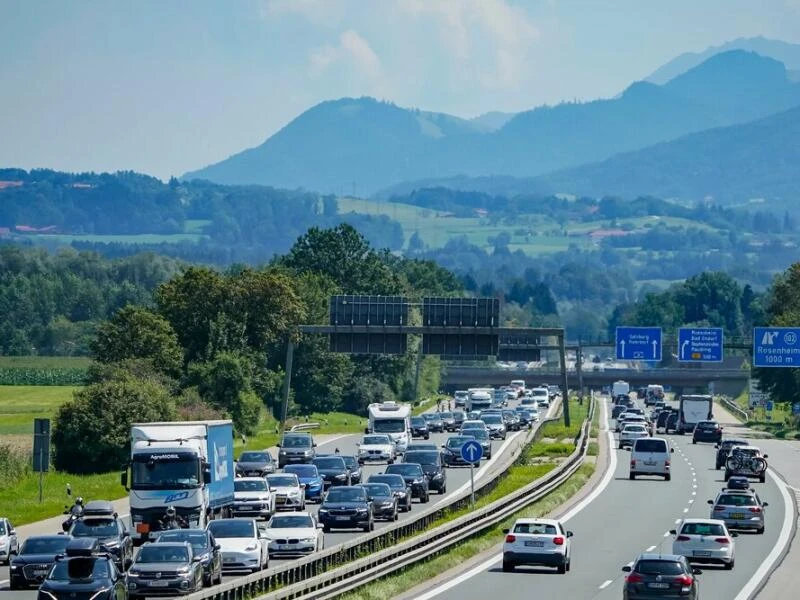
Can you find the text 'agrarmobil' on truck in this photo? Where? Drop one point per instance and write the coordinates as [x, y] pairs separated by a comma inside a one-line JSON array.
[[393, 419], [188, 465]]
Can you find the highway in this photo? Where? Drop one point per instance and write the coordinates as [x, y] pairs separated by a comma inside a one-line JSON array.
[[626, 518], [457, 481]]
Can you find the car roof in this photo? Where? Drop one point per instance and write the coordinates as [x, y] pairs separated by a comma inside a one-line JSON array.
[[712, 521], [654, 556], [294, 513], [529, 520], [749, 448], [251, 478]]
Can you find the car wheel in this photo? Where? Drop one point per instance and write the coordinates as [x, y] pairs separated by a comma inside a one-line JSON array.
[[719, 467], [443, 491], [667, 477], [760, 530], [562, 569], [427, 436], [508, 567], [729, 566], [569, 564], [632, 476], [620, 446], [326, 529], [694, 441], [762, 478], [727, 475], [396, 516]]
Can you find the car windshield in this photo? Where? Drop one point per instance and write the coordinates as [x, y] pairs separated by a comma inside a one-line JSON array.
[[2, 528], [94, 528], [282, 481], [296, 441], [446, 415], [633, 428], [703, 529], [746, 451], [431, 417], [330, 462], [302, 470], [473, 425], [650, 446], [389, 426], [417, 421], [708, 425], [250, 485], [198, 540], [423, 458], [736, 500], [179, 472], [659, 567], [479, 434], [290, 521], [395, 482], [350, 462], [535, 528], [728, 444], [457, 442], [256, 457], [80, 569], [157, 553], [232, 528], [405, 469], [346, 494], [375, 440], [492, 419], [378, 490], [44, 545]]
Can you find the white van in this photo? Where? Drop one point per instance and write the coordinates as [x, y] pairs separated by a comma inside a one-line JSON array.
[[651, 456]]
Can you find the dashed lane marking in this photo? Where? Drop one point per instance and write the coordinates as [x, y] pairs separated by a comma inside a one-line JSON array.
[[605, 584]]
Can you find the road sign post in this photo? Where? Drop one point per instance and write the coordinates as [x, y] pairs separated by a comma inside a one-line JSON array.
[[776, 347], [638, 343], [472, 452], [41, 450], [700, 344]]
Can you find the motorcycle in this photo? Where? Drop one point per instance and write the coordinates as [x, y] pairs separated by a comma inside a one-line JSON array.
[[75, 512]]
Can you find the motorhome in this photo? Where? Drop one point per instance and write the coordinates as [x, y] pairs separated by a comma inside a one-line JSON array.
[[393, 419]]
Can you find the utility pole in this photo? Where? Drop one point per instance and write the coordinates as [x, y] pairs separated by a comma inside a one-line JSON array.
[[287, 382], [579, 369], [562, 351]]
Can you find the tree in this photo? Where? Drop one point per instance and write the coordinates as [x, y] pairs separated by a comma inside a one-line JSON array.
[[91, 433], [136, 332]]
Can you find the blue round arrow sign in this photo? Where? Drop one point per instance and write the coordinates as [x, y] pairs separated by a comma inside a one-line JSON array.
[[472, 451]]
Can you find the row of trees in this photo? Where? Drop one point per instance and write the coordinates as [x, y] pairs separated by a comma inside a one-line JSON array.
[[212, 343]]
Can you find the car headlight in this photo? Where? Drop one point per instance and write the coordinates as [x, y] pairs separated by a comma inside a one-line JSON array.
[[387, 504], [282, 452], [14, 567], [294, 493], [323, 511], [183, 570], [418, 481], [341, 476], [251, 547], [133, 572], [308, 540], [361, 510]]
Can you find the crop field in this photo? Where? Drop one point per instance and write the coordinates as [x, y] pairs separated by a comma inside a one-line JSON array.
[[21, 404]]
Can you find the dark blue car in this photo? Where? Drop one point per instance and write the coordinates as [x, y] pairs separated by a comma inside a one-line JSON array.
[[310, 478]]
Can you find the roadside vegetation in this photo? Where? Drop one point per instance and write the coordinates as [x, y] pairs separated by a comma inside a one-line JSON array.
[[780, 422]]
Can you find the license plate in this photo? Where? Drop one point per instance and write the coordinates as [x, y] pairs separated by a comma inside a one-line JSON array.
[[658, 586], [280, 500], [247, 508], [228, 560], [737, 515], [650, 463], [701, 553], [534, 544], [159, 583], [342, 518], [40, 572]]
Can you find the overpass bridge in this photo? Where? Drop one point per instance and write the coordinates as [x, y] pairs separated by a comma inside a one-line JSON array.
[[730, 381]]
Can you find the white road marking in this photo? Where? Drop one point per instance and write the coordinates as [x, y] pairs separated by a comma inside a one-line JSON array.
[[605, 584], [783, 540], [685, 510], [691, 501], [650, 549], [2, 583], [694, 492], [485, 565], [677, 521], [666, 534]]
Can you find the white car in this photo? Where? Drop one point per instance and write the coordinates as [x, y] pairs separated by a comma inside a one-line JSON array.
[[376, 447], [541, 395], [705, 541], [537, 542], [631, 432], [242, 545], [252, 498], [9, 544], [473, 424], [294, 534], [289, 495], [651, 456]]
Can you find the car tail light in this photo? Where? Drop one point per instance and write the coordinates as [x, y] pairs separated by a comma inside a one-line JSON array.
[[719, 508], [755, 509], [667, 463], [634, 578], [558, 540], [722, 540], [684, 580], [683, 538], [633, 463], [510, 539]]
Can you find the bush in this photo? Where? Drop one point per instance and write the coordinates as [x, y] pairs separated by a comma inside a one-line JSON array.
[[14, 465], [191, 407], [91, 433]]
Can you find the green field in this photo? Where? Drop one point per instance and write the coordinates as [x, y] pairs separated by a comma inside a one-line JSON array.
[[192, 232], [44, 362], [21, 404]]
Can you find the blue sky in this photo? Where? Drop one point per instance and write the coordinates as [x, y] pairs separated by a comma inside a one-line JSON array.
[[163, 87]]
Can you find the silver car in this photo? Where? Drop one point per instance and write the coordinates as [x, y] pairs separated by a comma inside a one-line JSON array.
[[9, 544], [740, 509]]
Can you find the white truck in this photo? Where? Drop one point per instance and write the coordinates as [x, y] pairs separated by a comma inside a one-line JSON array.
[[392, 419], [692, 410], [187, 465], [479, 398], [620, 388]]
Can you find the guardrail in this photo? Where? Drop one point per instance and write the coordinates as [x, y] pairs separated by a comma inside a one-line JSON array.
[[332, 571], [734, 408], [305, 427]]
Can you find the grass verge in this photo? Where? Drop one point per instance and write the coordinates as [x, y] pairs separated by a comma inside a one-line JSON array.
[[21, 404], [396, 584]]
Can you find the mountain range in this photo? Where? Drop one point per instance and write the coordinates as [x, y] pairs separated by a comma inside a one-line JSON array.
[[374, 145]]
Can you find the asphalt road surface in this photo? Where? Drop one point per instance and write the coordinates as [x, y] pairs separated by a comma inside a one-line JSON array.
[[457, 481], [626, 519]]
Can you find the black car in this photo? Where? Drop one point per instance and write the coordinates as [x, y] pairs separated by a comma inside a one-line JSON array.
[[451, 450], [433, 467], [255, 464], [449, 421], [333, 470], [108, 529], [707, 431], [296, 448], [738, 482], [512, 420], [204, 546], [724, 449], [525, 417], [484, 440], [346, 508], [660, 576], [165, 569], [458, 417], [672, 423], [36, 555], [351, 462], [84, 572], [661, 419], [415, 479], [435, 423], [419, 428], [618, 410], [398, 486], [384, 502]]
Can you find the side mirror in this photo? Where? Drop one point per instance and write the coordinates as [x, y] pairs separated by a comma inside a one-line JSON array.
[[124, 534], [195, 559], [12, 532], [278, 445], [123, 479], [628, 448], [506, 530], [313, 444], [570, 534], [370, 499], [697, 572], [206, 476], [673, 532], [711, 502], [320, 526], [366, 429], [627, 569], [217, 547], [672, 449], [766, 456], [734, 534], [765, 504]]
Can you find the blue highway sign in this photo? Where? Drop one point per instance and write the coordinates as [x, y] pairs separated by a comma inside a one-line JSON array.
[[770, 405], [702, 344], [776, 347], [638, 343], [472, 451]]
